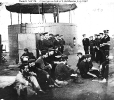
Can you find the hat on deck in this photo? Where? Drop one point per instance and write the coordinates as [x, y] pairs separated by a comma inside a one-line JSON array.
[[41, 34], [51, 34], [91, 37], [88, 55], [60, 35], [31, 60], [79, 53], [22, 66], [25, 49], [64, 57], [83, 34], [45, 33], [43, 52], [105, 31], [84, 56], [101, 33], [57, 35], [98, 35], [51, 49]]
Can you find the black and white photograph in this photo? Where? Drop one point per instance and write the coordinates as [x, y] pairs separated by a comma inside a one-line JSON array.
[[57, 50]]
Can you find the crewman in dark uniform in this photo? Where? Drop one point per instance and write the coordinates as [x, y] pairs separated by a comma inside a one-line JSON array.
[[46, 43], [101, 41], [1, 53], [100, 57], [42, 62], [96, 44], [85, 68], [62, 43], [26, 56], [106, 44], [39, 44], [85, 43], [92, 49], [57, 42], [63, 71], [80, 56], [51, 40]]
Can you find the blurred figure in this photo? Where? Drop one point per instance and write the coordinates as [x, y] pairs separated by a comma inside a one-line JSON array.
[[57, 42], [85, 67], [104, 69], [51, 39], [80, 56], [45, 43], [92, 47], [26, 56], [39, 44], [100, 57], [85, 43], [62, 43], [112, 42], [96, 45], [42, 64], [106, 43], [101, 41], [63, 71], [74, 41], [26, 82]]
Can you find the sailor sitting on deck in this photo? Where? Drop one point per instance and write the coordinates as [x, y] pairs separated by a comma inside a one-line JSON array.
[[86, 68], [27, 56], [41, 62], [26, 81], [63, 72], [43, 78], [80, 56]]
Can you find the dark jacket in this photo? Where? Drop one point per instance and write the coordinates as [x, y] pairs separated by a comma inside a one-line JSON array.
[[106, 40], [41, 63], [62, 71], [92, 43], [85, 42], [79, 60], [29, 55]]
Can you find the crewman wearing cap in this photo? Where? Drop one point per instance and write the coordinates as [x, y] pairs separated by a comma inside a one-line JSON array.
[[26, 56], [92, 49], [101, 41], [39, 44], [89, 61], [96, 44], [80, 56], [62, 43], [25, 79], [106, 42], [85, 68], [63, 71], [104, 69], [51, 40], [85, 43], [56, 42], [42, 63], [82, 67], [46, 43]]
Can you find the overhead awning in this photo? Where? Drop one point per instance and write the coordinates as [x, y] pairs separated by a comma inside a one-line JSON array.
[[40, 8]]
